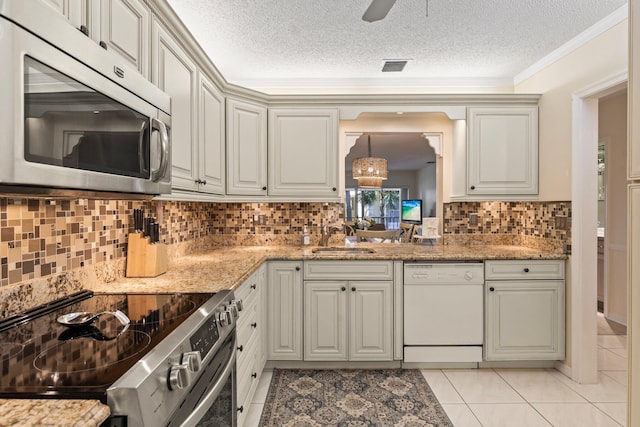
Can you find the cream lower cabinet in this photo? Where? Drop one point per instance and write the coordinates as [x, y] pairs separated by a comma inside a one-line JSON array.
[[284, 314], [250, 335], [348, 319], [524, 310]]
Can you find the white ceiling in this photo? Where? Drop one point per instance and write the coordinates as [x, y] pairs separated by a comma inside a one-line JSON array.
[[271, 44]]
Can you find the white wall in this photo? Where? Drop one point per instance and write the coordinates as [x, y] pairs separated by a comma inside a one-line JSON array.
[[427, 189], [408, 122], [598, 59], [612, 127]]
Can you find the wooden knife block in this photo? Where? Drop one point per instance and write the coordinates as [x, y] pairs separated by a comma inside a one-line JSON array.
[[145, 259]]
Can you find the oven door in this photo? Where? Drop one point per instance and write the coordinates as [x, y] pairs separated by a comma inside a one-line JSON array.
[[212, 399]]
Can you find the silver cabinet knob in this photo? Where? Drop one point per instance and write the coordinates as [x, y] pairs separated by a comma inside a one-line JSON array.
[[178, 377]]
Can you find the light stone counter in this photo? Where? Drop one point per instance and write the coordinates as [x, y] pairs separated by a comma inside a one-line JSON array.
[[228, 267], [50, 412]]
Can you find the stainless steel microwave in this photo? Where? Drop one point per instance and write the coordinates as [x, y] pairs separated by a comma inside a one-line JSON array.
[[72, 116]]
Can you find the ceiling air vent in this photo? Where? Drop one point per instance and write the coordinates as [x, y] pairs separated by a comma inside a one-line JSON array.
[[393, 66]]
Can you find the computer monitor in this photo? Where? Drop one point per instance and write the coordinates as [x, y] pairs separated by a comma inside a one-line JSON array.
[[411, 211]]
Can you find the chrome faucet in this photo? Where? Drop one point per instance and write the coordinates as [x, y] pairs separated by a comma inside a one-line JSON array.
[[326, 231]]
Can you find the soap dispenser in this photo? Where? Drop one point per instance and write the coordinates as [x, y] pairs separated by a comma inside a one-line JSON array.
[[305, 236]]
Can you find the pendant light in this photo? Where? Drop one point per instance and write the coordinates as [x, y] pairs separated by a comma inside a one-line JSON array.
[[369, 171]]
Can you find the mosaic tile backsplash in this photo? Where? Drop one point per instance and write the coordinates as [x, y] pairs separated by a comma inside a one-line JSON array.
[[546, 220], [41, 237], [49, 248]]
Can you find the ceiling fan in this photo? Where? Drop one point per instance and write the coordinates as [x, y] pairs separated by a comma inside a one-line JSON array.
[[377, 10]]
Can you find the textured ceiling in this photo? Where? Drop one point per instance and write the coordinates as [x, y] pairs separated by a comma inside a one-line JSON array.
[[325, 43]]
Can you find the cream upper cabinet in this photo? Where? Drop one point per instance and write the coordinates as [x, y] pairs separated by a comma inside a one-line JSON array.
[[72, 10], [175, 73], [246, 148], [211, 138], [125, 28], [502, 151], [303, 153]]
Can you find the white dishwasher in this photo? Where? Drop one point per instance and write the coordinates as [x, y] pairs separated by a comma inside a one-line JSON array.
[[443, 312]]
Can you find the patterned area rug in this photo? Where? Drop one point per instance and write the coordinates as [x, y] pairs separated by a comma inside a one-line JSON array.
[[359, 397]]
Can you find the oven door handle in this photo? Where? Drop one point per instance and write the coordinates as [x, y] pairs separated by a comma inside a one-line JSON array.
[[204, 405]]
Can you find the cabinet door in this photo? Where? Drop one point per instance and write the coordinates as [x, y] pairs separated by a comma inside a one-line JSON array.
[[370, 320], [284, 301], [77, 12], [325, 320], [502, 151], [246, 148], [211, 136], [262, 325], [175, 73], [303, 153], [125, 28], [524, 320]]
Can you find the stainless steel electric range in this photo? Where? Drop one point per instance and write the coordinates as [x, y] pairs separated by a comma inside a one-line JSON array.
[[164, 359]]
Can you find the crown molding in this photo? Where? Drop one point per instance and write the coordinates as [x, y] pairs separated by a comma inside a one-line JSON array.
[[580, 40]]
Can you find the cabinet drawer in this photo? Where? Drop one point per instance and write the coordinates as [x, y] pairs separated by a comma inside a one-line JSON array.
[[248, 324], [245, 396], [248, 291], [348, 270], [247, 364], [525, 269]]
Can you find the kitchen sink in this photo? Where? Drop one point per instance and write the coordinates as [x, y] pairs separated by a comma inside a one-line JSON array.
[[345, 251]]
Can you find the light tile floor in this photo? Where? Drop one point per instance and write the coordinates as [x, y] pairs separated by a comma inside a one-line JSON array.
[[521, 397]]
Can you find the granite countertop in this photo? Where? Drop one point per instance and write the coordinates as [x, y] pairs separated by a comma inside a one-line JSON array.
[[228, 267], [52, 412]]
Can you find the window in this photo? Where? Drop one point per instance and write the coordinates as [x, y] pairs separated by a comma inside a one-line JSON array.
[[381, 205]]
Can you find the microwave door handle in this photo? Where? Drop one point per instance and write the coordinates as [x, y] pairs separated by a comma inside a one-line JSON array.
[[157, 125], [141, 151]]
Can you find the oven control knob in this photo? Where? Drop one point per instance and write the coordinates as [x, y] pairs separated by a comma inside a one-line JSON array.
[[226, 318], [468, 275], [193, 360], [178, 377], [237, 305]]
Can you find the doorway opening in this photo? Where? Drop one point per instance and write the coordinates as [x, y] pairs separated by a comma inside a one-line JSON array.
[[583, 344]]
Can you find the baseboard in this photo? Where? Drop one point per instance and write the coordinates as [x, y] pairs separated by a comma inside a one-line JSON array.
[[440, 365], [621, 320], [563, 368], [299, 364], [543, 364]]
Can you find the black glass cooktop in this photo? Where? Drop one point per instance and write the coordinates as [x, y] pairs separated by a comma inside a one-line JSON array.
[[42, 358]]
